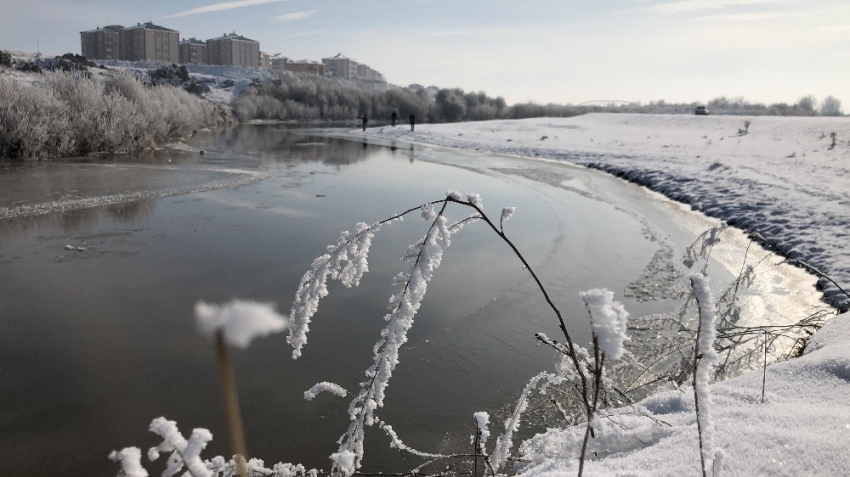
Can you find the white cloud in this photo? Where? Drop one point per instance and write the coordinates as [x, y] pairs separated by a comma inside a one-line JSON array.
[[217, 7], [687, 6], [288, 17]]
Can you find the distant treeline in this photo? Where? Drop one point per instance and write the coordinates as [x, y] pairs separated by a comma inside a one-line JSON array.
[[297, 96], [309, 97]]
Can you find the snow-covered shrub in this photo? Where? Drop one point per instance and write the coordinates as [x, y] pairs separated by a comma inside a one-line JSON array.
[[34, 123], [72, 113]]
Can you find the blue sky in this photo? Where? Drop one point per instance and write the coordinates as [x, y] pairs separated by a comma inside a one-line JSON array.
[[542, 50]]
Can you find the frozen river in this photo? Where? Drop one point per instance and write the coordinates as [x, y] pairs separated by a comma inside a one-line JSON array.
[[98, 340]]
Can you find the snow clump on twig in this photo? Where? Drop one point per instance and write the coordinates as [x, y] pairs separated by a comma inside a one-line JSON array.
[[344, 461], [131, 461], [240, 320], [482, 420], [475, 199], [608, 320], [507, 213]]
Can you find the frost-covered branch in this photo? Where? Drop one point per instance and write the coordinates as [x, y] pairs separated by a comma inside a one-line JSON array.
[[426, 256]]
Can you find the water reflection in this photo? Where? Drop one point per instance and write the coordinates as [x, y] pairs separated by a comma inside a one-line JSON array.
[[74, 220], [283, 145]]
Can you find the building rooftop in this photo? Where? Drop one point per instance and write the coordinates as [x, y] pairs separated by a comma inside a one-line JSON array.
[[233, 36], [310, 62], [110, 28], [339, 56], [148, 26], [192, 41]]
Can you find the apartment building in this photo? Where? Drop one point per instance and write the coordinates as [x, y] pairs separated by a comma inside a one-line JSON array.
[[102, 43], [365, 73], [193, 52], [234, 50], [341, 67], [278, 62], [266, 60], [306, 66], [149, 42]]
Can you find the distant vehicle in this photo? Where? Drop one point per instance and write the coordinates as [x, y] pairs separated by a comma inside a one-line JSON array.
[[701, 111]]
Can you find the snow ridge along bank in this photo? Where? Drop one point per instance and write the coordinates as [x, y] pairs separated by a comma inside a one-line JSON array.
[[780, 178]]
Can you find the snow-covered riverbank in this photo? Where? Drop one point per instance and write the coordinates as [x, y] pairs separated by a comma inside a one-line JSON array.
[[782, 179]]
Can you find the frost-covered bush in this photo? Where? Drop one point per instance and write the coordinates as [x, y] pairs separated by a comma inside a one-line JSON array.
[[34, 123], [66, 114]]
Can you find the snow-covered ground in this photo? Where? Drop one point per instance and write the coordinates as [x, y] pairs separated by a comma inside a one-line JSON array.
[[783, 180], [225, 82]]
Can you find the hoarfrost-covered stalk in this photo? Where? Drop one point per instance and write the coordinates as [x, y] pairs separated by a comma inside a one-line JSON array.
[[325, 386], [346, 261], [399, 444], [504, 442], [608, 321], [192, 454], [707, 359], [182, 452], [426, 256]]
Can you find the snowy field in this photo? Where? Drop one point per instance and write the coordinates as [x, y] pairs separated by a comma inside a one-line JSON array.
[[782, 179]]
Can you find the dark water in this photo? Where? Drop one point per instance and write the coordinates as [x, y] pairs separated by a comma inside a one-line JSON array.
[[94, 344]]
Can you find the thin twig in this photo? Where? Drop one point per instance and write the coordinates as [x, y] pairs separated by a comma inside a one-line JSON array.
[[764, 372]]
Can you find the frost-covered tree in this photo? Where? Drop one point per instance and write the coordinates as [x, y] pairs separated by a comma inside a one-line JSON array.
[[808, 105], [831, 106]]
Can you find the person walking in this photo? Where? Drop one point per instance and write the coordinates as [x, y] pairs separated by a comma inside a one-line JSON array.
[[365, 120], [393, 118], [412, 122]]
